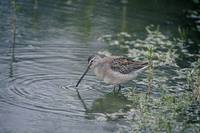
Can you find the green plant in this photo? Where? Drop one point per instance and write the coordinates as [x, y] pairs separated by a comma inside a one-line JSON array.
[[150, 69], [193, 79], [160, 112], [183, 33]]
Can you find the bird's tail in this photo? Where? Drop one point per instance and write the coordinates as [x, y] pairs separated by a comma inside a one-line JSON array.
[[159, 64], [154, 65]]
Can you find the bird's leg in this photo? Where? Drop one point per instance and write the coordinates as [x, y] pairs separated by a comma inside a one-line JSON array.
[[119, 88], [114, 89]]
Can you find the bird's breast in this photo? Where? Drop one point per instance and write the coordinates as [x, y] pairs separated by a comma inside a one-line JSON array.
[[103, 72], [100, 71]]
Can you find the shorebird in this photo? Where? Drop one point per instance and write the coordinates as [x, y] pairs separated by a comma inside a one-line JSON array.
[[114, 70]]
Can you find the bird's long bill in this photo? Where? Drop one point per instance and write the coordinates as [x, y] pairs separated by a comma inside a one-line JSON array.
[[83, 75]]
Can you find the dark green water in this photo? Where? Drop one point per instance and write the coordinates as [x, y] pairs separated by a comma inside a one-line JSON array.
[[53, 41]]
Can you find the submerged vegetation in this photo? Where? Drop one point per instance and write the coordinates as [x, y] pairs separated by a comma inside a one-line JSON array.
[[174, 105]]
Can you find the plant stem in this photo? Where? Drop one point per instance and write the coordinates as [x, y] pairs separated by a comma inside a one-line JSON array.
[[150, 70]]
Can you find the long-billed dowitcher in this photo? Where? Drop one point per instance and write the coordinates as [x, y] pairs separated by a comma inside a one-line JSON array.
[[114, 70]]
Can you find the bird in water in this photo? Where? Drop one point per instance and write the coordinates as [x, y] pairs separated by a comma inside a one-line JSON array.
[[114, 70]]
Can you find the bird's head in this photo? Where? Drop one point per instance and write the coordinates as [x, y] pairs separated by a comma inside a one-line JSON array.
[[93, 60]]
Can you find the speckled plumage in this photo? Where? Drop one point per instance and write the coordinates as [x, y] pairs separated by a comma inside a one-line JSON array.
[[126, 66]]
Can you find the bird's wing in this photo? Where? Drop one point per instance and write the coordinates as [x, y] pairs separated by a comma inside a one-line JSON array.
[[125, 66]]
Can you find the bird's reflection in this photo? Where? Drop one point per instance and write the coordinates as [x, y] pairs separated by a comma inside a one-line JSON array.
[[109, 103], [82, 101]]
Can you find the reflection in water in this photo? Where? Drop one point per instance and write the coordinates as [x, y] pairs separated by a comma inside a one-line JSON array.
[[124, 13], [35, 16], [35, 4], [87, 19], [82, 101], [12, 48], [110, 103]]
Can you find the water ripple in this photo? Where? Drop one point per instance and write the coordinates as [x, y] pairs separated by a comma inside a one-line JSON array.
[[43, 93], [42, 80]]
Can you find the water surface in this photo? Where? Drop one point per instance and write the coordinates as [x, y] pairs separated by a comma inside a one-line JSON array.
[[53, 40]]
